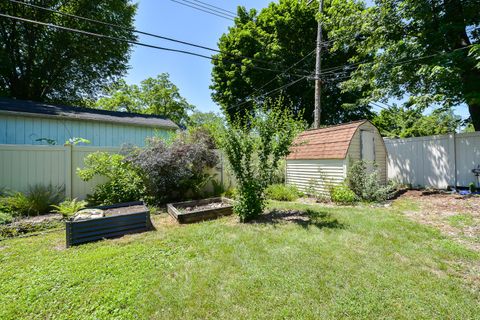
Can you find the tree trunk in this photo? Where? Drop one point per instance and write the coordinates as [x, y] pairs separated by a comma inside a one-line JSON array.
[[474, 109]]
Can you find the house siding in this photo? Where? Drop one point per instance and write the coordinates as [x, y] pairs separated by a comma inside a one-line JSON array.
[[27, 129]]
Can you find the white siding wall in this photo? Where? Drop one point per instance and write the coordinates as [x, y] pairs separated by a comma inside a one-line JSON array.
[[26, 130], [354, 152], [431, 161], [320, 173]]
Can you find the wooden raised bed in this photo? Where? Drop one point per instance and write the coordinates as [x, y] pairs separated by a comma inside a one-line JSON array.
[[199, 210], [119, 221]]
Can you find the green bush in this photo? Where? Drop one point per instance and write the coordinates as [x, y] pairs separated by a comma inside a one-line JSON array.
[[230, 193], [365, 185], [254, 145], [5, 218], [69, 207], [472, 187], [124, 183], [38, 199], [342, 194], [282, 192]]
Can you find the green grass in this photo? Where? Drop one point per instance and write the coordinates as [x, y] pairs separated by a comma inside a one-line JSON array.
[[357, 263], [461, 220]]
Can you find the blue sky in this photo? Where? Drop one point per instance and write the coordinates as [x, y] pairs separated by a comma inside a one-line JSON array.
[[191, 74]]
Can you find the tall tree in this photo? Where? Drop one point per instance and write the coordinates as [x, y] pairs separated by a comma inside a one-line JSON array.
[[153, 96], [48, 64], [276, 38], [401, 122], [425, 49]]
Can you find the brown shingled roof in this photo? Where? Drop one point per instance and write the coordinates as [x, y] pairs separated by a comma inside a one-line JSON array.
[[325, 143]]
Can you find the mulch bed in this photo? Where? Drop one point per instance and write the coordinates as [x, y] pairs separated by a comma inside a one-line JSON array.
[[439, 208], [123, 210], [213, 205]]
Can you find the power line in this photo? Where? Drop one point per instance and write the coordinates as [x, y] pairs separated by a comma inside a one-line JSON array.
[[211, 5], [136, 43], [200, 9], [142, 32], [276, 77], [270, 92], [210, 8]]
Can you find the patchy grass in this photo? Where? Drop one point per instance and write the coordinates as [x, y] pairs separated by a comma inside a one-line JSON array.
[[298, 261], [461, 220]]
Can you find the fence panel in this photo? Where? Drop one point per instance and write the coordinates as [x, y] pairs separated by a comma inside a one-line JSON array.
[[434, 161]]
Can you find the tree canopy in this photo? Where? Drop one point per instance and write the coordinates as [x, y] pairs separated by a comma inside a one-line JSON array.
[[426, 50], [157, 96], [402, 122], [283, 34], [48, 64]]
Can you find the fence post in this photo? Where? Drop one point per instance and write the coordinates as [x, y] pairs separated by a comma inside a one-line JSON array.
[[68, 171]]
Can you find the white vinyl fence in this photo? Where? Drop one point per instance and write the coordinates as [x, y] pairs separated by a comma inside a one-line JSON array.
[[25, 165], [434, 161]]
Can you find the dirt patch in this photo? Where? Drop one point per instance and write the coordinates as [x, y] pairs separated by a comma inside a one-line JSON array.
[[40, 219], [455, 215], [123, 210], [213, 205]]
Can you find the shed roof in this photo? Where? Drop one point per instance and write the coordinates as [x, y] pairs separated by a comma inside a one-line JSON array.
[[31, 108], [325, 143]]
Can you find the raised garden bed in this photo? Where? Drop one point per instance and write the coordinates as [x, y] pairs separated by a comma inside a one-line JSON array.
[[199, 210], [118, 220]]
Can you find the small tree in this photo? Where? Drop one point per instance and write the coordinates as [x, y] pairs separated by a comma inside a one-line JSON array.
[[254, 145]]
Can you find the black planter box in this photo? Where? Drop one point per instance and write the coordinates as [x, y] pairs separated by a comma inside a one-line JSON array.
[[114, 226]]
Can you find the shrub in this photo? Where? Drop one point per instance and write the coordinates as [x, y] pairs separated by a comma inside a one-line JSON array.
[[282, 192], [124, 182], [5, 218], [172, 170], [254, 145], [366, 185], [38, 199], [69, 207], [230, 193], [342, 194], [472, 187]]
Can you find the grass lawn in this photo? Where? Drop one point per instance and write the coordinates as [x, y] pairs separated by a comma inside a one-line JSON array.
[[341, 263]]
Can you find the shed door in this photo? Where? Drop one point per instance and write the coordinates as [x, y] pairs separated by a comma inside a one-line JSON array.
[[368, 147]]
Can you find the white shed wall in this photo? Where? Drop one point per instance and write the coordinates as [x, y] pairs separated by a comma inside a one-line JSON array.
[[354, 151], [319, 173]]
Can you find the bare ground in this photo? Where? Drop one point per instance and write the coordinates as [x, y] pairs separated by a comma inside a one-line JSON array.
[[456, 216]]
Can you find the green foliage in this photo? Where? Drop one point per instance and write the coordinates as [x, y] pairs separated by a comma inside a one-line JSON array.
[[230, 193], [124, 183], [23, 227], [419, 49], [283, 33], [365, 185], [176, 169], [68, 208], [42, 63], [282, 192], [38, 199], [209, 123], [76, 140], [5, 218], [472, 187], [254, 145], [401, 122], [157, 96], [342, 194]]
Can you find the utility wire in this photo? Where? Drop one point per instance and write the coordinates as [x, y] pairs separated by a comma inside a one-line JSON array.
[[270, 92], [209, 8], [211, 5], [200, 9], [143, 32], [248, 98], [137, 43]]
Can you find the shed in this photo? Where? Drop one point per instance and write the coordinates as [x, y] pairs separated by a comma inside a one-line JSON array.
[[321, 157], [25, 122]]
